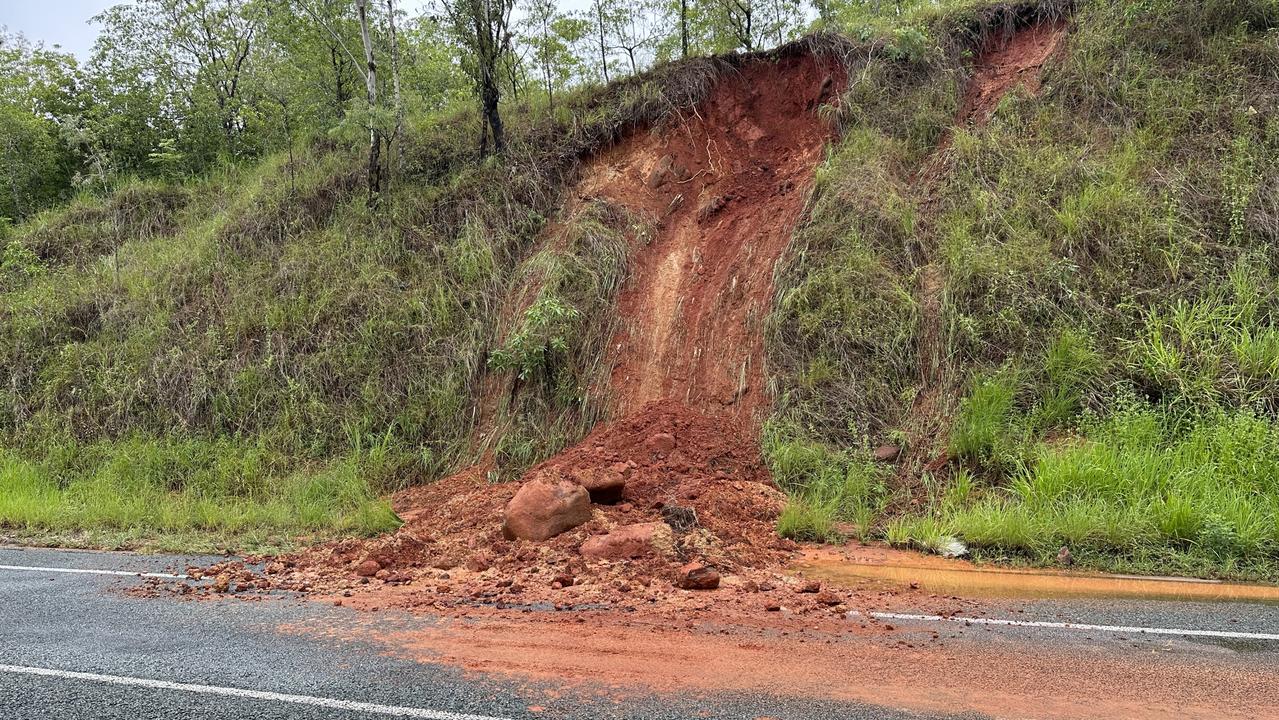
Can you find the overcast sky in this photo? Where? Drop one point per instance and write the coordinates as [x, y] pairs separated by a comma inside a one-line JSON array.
[[55, 22], [66, 22]]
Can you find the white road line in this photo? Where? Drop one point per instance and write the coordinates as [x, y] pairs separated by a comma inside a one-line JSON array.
[[331, 703], [83, 571], [1069, 626]]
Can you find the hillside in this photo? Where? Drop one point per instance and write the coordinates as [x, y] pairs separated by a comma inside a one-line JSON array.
[[997, 274]]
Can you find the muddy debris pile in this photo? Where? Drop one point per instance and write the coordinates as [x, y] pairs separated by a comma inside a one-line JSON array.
[[665, 501]]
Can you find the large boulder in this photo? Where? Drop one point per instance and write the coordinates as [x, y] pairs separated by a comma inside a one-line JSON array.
[[630, 541], [544, 508]]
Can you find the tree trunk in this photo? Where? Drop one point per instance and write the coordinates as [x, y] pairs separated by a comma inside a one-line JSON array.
[[397, 149], [683, 28], [370, 85], [491, 116], [599, 13]]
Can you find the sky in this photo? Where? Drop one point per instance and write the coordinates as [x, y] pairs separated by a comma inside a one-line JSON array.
[[61, 22], [66, 22]]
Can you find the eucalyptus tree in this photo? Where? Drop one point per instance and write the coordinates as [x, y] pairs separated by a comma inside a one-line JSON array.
[[483, 30]]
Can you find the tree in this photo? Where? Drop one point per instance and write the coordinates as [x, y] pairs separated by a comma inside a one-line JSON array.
[[634, 30], [603, 11], [551, 36], [483, 29], [39, 98], [212, 39], [738, 17]]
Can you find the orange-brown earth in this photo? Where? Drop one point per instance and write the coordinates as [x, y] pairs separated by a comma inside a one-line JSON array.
[[728, 185], [949, 670]]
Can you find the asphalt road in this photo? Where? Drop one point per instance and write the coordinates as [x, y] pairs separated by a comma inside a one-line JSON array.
[[73, 645]]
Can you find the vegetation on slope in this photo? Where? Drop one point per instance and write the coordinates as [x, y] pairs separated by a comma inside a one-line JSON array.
[[1108, 257], [260, 354]]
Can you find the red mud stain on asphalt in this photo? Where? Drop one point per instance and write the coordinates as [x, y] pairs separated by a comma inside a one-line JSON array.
[[915, 668]]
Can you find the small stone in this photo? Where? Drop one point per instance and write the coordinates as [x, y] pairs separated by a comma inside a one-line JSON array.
[[661, 171], [887, 453], [563, 579], [478, 562], [629, 541], [368, 568], [222, 583], [604, 485], [772, 606], [696, 576], [809, 586], [660, 443], [826, 597]]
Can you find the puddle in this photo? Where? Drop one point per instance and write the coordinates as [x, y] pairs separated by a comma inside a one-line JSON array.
[[883, 566]]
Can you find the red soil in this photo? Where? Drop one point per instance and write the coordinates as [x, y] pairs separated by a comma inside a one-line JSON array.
[[451, 550], [1009, 61], [728, 186], [952, 672]]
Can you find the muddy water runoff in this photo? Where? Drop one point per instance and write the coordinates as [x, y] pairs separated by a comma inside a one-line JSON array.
[[862, 566]]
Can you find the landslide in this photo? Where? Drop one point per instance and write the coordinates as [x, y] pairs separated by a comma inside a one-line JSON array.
[[722, 189], [721, 192]]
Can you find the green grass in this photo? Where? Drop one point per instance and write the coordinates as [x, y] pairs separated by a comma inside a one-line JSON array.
[[831, 494], [155, 493]]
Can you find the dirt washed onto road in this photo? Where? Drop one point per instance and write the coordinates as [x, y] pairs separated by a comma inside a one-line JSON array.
[[611, 655]]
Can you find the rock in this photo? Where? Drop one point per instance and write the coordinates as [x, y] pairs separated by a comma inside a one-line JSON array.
[[605, 485], [809, 586], [545, 508], [711, 207], [696, 576], [887, 453], [826, 597], [479, 562], [664, 168], [952, 547], [563, 580], [660, 443], [629, 541], [772, 606], [222, 583], [368, 568]]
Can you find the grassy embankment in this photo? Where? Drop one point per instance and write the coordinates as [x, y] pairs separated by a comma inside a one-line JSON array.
[[254, 359], [1108, 340]]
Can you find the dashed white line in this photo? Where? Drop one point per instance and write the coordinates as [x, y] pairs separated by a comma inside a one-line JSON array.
[[330, 703], [85, 571], [1069, 626]]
